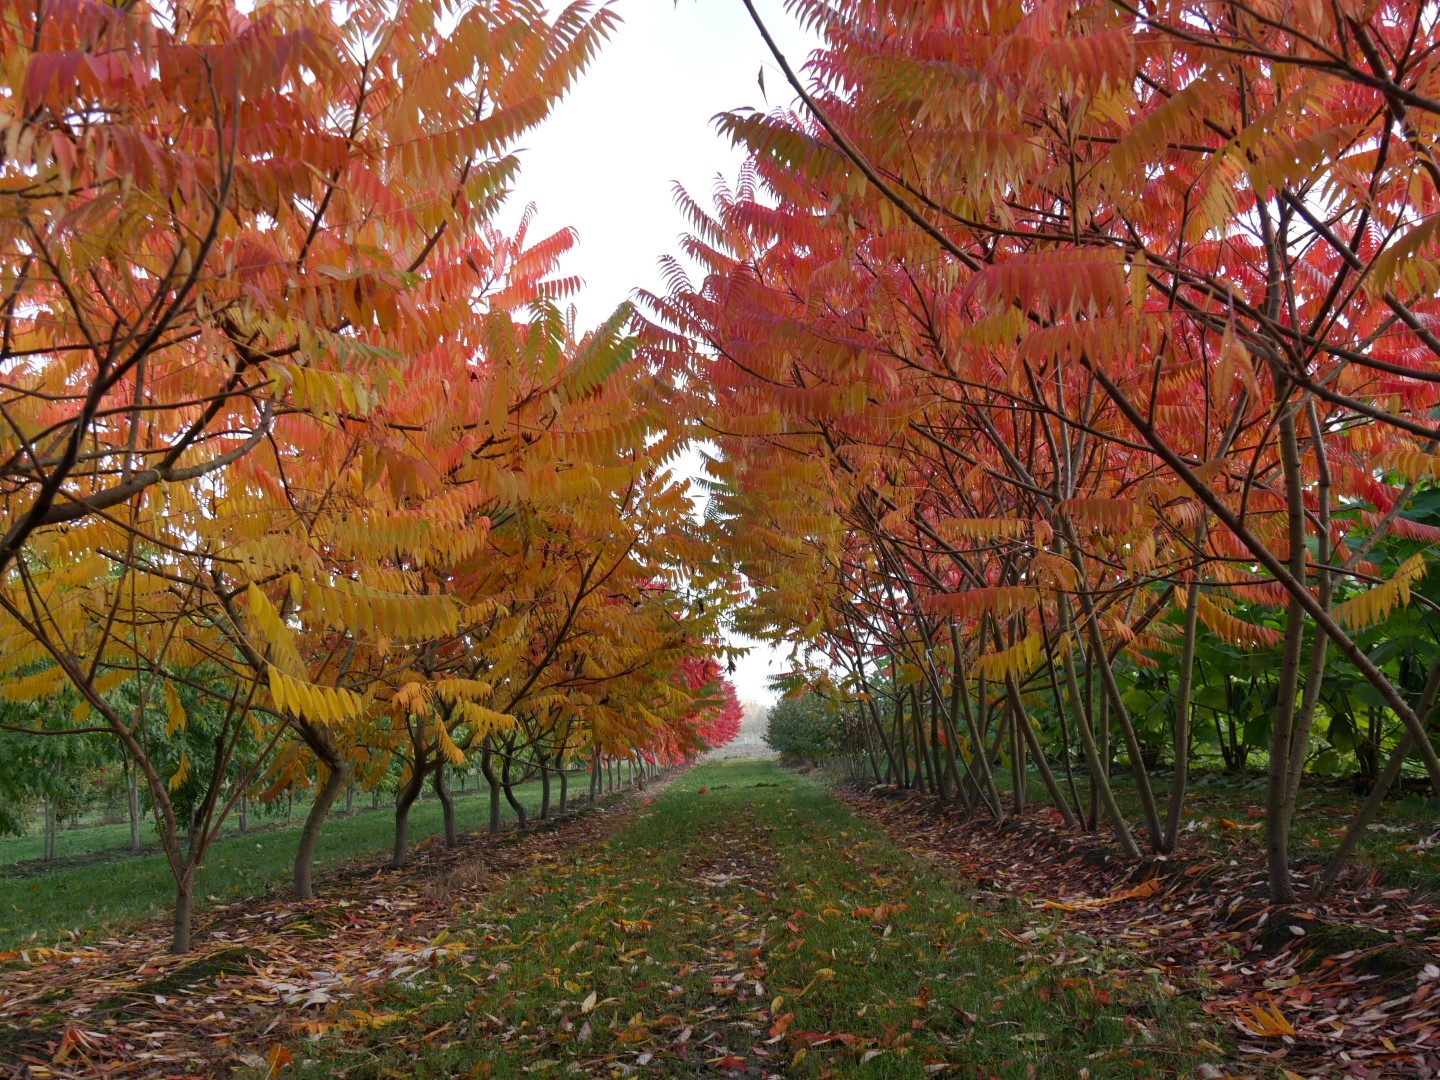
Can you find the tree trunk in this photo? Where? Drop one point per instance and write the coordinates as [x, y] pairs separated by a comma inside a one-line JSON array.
[[937, 767], [1032, 740], [564, 788], [404, 799], [447, 807], [1064, 731], [922, 752], [184, 912], [1122, 717], [986, 789], [243, 815], [901, 744], [132, 801], [52, 820], [325, 796], [487, 769], [1182, 709], [1101, 792], [1277, 819], [515, 804], [1019, 771], [544, 786], [350, 798]]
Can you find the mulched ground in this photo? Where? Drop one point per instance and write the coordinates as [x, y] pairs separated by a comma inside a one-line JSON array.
[[263, 970], [1349, 987]]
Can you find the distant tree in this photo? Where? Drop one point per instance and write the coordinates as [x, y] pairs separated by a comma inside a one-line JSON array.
[[805, 728]]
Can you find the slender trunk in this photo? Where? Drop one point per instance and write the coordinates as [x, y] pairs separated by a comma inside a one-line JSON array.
[[515, 804], [243, 814], [1319, 647], [447, 806], [1033, 741], [870, 752], [1122, 717], [1064, 727], [564, 788], [1182, 711], [487, 769], [325, 796], [1277, 822], [1094, 722], [988, 791], [1100, 788], [404, 799], [132, 801], [877, 725], [182, 915], [544, 785], [1019, 773], [941, 766], [350, 798], [594, 775], [922, 752], [900, 741], [52, 818]]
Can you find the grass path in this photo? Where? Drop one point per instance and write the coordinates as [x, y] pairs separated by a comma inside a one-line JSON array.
[[748, 924]]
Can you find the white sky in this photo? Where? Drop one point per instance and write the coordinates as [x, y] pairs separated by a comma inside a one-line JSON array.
[[638, 121]]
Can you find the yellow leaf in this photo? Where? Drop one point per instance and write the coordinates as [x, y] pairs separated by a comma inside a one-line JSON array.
[[175, 720], [182, 771]]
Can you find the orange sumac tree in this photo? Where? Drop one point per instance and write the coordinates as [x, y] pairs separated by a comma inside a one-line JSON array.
[[1051, 342]]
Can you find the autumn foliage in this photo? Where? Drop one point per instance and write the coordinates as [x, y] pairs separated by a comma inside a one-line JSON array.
[[1070, 373], [308, 479], [1049, 346]]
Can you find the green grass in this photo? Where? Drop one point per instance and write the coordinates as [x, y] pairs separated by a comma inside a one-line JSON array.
[[759, 920], [86, 900], [96, 836], [84, 840], [112, 839]]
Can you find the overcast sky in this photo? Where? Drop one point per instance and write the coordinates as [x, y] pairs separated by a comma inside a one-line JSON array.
[[636, 123]]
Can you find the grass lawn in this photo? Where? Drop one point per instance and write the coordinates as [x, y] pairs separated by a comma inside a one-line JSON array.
[[44, 907], [747, 923], [94, 836]]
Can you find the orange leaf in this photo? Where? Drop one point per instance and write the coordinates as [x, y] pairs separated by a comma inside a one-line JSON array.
[[280, 1058]]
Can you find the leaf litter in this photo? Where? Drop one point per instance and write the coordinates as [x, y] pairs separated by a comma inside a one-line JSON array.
[[264, 970], [1346, 987]]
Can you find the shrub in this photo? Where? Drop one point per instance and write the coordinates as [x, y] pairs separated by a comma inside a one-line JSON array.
[[805, 729]]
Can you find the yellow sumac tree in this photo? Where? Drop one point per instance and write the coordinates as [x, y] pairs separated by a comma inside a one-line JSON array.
[[223, 228]]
